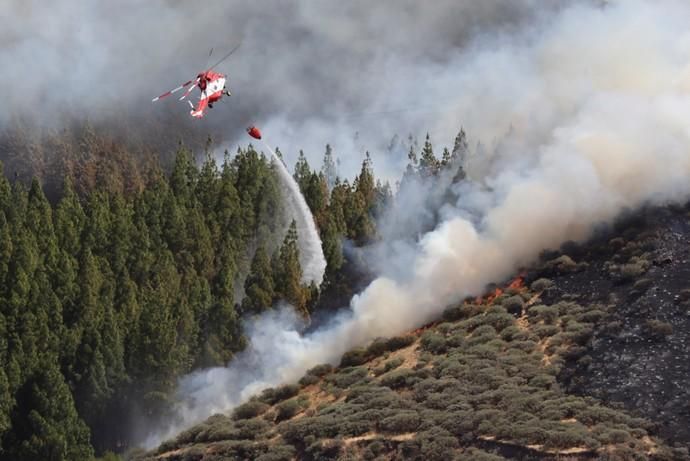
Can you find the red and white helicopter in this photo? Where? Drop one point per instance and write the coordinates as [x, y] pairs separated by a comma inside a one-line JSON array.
[[211, 84]]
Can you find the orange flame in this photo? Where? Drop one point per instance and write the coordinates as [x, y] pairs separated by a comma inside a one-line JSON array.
[[518, 282], [497, 292]]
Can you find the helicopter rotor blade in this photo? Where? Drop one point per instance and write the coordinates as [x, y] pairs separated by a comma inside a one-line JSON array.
[[186, 93], [226, 56], [168, 93]]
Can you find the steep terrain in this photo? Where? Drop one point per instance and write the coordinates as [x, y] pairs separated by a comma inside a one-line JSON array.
[[584, 356]]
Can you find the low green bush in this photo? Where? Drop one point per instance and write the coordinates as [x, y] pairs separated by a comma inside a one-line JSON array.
[[399, 378], [513, 305], [433, 342], [272, 396], [354, 357], [249, 409], [403, 421], [320, 370], [541, 284]]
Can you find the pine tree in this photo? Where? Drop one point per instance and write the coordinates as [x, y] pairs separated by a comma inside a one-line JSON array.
[[329, 168], [207, 187], [412, 168], [45, 424], [5, 252], [316, 196], [258, 286], [121, 233], [96, 233], [428, 163], [302, 172], [337, 204], [332, 248], [288, 272], [459, 153], [446, 158], [360, 204], [70, 220], [365, 184], [5, 190], [184, 175], [383, 199], [154, 361]]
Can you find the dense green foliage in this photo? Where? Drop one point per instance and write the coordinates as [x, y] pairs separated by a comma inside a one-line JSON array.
[[107, 298], [126, 278]]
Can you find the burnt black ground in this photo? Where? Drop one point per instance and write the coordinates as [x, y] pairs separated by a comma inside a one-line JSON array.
[[628, 362]]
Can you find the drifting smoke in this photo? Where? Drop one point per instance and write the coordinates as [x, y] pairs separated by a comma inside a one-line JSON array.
[[307, 73], [588, 116], [311, 256]]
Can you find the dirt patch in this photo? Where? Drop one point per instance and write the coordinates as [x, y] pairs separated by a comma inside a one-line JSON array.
[[375, 435]]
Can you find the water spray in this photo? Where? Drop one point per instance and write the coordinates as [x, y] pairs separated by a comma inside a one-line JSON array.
[[312, 259]]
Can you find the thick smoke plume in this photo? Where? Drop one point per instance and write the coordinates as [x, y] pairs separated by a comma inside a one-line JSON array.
[[584, 113]]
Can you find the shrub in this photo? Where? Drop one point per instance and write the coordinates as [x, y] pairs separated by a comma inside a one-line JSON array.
[[392, 364], [549, 314], [433, 342], [499, 320], [614, 436], [633, 270], [542, 380], [578, 333], [272, 396], [288, 409], [403, 421], [592, 316], [657, 329], [437, 444], [563, 264], [643, 285], [476, 454], [329, 449], [513, 333], [250, 429], [399, 378], [320, 370], [249, 409], [462, 311], [383, 345], [513, 305], [295, 431], [354, 357], [484, 330], [278, 453], [348, 376], [526, 346], [308, 380], [544, 331], [541, 284], [456, 340]]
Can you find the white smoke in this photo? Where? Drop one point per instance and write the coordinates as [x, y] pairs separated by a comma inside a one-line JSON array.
[[592, 111]]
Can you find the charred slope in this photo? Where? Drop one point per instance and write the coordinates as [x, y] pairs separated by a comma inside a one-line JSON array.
[[580, 358], [639, 354]]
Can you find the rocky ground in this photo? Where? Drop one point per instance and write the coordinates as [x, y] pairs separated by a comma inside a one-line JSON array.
[[639, 355]]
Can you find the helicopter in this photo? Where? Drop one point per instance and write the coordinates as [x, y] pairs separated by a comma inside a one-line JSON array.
[[210, 83]]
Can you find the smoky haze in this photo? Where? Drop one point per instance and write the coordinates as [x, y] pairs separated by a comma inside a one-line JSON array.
[[584, 112], [308, 73]]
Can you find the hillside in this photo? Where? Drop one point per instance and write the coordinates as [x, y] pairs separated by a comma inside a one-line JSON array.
[[583, 356]]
